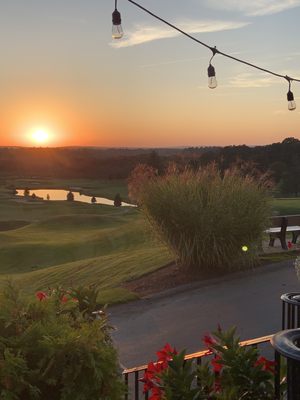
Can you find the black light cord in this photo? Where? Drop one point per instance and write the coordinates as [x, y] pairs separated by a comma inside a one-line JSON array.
[[214, 49]]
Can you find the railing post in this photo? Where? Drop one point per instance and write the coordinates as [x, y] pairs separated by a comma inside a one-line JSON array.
[[286, 343], [277, 375]]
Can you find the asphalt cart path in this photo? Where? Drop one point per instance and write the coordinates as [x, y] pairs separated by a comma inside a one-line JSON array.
[[249, 300]]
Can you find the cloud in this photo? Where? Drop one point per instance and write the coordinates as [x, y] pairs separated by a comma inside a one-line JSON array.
[[248, 80], [254, 7], [147, 33]]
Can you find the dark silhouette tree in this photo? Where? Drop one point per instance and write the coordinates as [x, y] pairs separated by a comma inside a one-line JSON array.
[[155, 162], [117, 200], [70, 196], [93, 200], [26, 192]]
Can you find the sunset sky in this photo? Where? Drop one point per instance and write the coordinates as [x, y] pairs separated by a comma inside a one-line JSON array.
[[65, 83]]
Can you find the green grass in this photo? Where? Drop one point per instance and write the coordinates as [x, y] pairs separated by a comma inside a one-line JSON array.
[[287, 206], [76, 244], [46, 244]]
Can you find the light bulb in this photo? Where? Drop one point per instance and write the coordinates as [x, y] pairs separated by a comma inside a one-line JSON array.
[[291, 101], [117, 31], [212, 80]]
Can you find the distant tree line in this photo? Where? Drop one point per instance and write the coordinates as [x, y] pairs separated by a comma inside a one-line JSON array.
[[280, 160]]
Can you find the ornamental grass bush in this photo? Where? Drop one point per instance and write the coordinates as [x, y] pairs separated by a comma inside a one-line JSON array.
[[51, 348], [210, 221]]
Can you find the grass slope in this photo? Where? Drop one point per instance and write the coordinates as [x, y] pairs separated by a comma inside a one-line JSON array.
[[287, 206], [73, 244], [46, 244]]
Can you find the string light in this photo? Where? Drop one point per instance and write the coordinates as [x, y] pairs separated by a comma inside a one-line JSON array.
[[290, 98], [212, 80], [117, 30], [211, 70]]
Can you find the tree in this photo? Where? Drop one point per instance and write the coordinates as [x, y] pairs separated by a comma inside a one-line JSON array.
[[290, 182], [26, 192], [70, 196], [290, 140], [117, 200], [155, 162], [93, 200]]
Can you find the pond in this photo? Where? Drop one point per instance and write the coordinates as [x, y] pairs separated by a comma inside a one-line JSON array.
[[60, 195]]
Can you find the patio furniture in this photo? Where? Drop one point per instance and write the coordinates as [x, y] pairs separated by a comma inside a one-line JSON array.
[[280, 226]]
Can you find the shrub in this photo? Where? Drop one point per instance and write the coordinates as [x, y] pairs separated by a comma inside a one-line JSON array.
[[208, 220], [50, 349], [233, 373], [117, 200], [137, 181]]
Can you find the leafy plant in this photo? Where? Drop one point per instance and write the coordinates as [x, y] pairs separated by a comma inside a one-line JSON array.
[[234, 373], [49, 349]]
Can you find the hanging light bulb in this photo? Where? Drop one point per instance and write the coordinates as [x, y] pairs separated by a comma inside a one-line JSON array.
[[212, 80], [117, 31], [291, 101]]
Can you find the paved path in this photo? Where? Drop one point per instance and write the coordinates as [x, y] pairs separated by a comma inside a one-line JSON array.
[[249, 300]]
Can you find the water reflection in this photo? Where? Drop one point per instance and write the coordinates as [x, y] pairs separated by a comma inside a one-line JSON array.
[[59, 195]]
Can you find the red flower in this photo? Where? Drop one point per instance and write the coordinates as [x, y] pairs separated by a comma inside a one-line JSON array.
[[217, 365], [166, 354], [266, 365], [290, 245], [41, 296], [64, 299], [151, 377], [209, 341], [156, 394]]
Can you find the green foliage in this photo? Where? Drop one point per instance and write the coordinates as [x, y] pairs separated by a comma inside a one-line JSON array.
[[241, 372], [234, 373], [205, 218], [50, 350], [178, 379]]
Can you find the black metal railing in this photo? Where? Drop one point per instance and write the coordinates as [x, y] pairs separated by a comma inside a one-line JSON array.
[[290, 310], [135, 387], [286, 345]]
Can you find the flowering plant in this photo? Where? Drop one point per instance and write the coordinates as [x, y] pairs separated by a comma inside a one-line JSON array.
[[51, 348], [234, 372]]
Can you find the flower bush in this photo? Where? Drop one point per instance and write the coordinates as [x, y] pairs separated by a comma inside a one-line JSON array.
[[234, 373], [51, 347]]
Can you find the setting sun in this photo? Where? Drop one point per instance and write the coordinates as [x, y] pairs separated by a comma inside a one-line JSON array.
[[40, 136]]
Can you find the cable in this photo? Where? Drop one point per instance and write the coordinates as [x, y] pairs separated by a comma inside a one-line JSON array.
[[214, 49]]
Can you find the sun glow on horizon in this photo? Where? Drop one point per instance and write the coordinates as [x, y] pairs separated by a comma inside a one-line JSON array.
[[40, 136]]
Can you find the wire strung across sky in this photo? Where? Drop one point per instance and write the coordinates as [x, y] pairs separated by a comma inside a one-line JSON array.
[[214, 49]]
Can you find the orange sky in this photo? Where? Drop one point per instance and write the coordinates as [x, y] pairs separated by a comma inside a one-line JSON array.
[[61, 74]]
